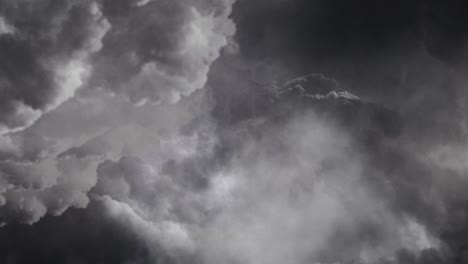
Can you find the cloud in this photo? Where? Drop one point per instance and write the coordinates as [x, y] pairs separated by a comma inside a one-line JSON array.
[[30, 190], [56, 166], [155, 51], [304, 175], [5, 28], [65, 109], [300, 189], [104, 111], [162, 50], [42, 64]]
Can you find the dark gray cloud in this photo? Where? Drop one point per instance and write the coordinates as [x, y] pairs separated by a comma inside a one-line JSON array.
[[89, 58], [407, 55], [149, 51], [44, 48], [397, 52], [161, 50], [360, 160], [78, 236]]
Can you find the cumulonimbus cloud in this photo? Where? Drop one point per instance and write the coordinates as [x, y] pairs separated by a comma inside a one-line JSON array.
[[161, 50], [45, 46], [153, 51], [141, 51]]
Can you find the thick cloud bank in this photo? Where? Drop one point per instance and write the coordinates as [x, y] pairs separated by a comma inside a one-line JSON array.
[[161, 50], [147, 50], [327, 132], [96, 54], [44, 48]]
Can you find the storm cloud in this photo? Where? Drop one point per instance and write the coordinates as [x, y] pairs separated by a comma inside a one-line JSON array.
[[42, 64], [149, 51], [104, 54], [248, 131]]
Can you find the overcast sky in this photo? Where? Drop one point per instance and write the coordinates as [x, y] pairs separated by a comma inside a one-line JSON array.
[[233, 132]]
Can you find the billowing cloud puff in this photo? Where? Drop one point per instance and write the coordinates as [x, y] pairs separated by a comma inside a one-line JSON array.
[[152, 51], [30, 190], [143, 51], [159, 51], [44, 48]]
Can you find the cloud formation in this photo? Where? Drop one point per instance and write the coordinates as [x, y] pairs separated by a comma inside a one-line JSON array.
[[152, 51], [45, 46], [86, 58], [160, 51], [115, 154]]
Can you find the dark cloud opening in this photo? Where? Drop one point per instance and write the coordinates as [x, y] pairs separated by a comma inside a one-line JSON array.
[[78, 236]]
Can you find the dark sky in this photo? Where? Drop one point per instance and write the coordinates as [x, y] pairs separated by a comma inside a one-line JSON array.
[[389, 51], [341, 30]]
